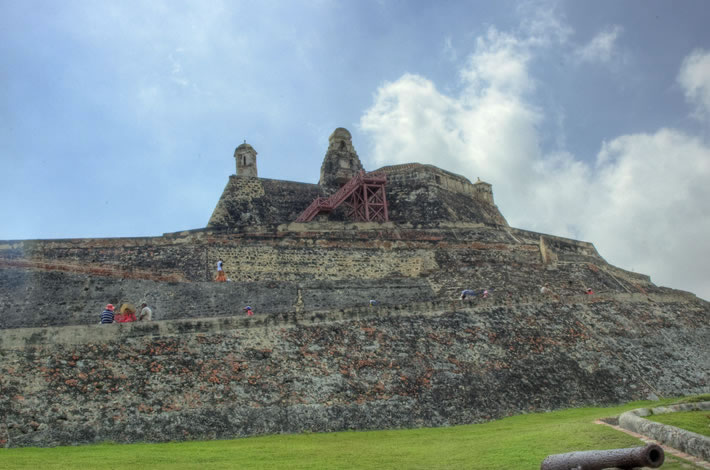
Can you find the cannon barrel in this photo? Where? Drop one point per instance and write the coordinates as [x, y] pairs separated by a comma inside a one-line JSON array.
[[650, 456]]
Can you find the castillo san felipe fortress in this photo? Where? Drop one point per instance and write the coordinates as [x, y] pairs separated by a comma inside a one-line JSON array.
[[316, 356]]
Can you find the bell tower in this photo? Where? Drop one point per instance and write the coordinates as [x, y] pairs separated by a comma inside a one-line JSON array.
[[341, 162], [245, 155]]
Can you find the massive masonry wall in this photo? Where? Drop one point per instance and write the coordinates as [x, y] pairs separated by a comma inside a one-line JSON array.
[[248, 201], [297, 251], [427, 195], [419, 194], [66, 282], [428, 364], [33, 298]]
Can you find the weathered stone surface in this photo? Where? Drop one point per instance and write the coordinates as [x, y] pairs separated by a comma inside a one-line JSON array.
[[692, 443], [390, 367], [427, 195], [250, 201], [330, 266], [423, 195], [245, 156], [341, 161]]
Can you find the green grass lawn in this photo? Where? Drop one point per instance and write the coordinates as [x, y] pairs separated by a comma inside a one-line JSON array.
[[696, 421], [518, 442]]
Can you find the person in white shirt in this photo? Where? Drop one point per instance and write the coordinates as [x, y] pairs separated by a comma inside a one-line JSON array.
[[146, 313], [545, 290], [221, 276]]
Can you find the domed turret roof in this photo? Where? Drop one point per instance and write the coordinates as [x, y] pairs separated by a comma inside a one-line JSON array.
[[341, 133], [244, 146]]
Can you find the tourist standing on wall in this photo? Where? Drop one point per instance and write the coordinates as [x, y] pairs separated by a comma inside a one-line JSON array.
[[220, 272], [146, 313], [467, 293], [107, 315]]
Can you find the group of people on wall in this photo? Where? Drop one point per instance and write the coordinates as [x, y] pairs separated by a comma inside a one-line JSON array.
[[126, 314]]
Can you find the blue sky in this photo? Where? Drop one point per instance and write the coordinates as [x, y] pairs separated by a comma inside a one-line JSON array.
[[590, 119]]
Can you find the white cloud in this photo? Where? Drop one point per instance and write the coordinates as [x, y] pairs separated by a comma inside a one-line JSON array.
[[650, 208], [694, 77], [643, 202], [542, 23], [602, 46], [499, 63]]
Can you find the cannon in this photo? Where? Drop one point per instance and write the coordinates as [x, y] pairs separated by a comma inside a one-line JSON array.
[[649, 456]]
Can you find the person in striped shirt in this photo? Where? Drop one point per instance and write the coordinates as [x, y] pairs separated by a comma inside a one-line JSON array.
[[107, 315]]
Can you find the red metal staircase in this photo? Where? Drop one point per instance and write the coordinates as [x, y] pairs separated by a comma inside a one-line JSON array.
[[364, 198]]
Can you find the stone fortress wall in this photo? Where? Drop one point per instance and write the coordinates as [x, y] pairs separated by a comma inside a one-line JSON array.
[[317, 356], [417, 194], [301, 266], [426, 364], [248, 201], [434, 176]]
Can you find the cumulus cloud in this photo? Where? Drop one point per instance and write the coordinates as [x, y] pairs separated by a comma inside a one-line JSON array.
[[694, 77], [602, 46], [642, 201], [489, 122], [650, 210]]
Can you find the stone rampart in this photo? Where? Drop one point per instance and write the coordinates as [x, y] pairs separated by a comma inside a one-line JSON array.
[[335, 252], [425, 364], [305, 266], [419, 194], [430, 175], [258, 201], [48, 298], [692, 443]]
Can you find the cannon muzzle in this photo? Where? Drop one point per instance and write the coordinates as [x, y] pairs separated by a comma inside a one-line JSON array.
[[650, 456]]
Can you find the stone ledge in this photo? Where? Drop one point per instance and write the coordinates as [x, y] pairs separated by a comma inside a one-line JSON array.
[[20, 338], [687, 441]]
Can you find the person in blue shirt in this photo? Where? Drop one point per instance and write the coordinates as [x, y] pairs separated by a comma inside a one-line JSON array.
[[467, 293]]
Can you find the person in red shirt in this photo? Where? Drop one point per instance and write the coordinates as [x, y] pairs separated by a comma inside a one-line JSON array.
[[126, 317], [126, 314]]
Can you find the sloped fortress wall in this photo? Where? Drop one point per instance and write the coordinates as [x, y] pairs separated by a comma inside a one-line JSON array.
[[319, 267], [248, 201], [422, 365]]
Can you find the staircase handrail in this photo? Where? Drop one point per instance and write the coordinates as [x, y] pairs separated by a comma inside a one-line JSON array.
[[321, 204]]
